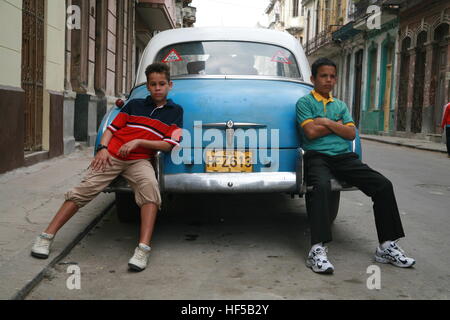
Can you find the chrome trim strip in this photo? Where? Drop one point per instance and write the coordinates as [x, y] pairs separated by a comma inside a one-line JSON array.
[[255, 182], [223, 125]]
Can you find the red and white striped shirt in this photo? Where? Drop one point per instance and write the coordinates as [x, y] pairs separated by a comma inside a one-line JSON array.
[[142, 119]]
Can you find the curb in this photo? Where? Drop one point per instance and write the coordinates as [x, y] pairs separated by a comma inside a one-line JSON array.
[[404, 145], [22, 293]]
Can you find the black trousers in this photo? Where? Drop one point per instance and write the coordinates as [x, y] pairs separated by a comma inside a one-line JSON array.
[[319, 168]]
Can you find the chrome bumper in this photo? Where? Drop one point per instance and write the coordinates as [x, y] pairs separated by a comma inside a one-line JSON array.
[[245, 182], [254, 182]]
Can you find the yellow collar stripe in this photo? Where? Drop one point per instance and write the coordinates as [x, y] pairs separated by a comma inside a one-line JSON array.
[[319, 98]]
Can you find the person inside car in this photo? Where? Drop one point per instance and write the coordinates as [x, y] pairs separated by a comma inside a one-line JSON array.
[[142, 127], [326, 127]]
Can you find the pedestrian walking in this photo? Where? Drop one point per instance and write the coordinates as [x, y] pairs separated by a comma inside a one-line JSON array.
[[446, 126]]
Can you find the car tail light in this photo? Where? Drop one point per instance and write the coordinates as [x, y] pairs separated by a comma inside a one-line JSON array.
[[120, 103]]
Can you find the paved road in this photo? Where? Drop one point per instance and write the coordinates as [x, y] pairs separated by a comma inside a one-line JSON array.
[[254, 247]]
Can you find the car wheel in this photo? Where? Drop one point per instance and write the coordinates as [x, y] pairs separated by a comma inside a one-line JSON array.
[[127, 209], [334, 205], [166, 200]]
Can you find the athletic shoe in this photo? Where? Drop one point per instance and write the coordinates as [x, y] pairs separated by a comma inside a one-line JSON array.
[[140, 258], [394, 255], [318, 261], [41, 247]]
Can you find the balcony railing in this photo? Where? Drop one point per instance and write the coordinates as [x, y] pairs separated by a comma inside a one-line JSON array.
[[323, 38], [189, 14], [362, 5]]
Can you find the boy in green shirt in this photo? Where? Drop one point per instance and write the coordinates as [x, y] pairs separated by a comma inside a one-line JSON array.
[[326, 128]]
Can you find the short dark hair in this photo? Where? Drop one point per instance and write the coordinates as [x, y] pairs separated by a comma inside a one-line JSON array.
[[319, 63], [158, 67]]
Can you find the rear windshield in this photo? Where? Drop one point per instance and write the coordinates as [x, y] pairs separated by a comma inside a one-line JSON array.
[[229, 58]]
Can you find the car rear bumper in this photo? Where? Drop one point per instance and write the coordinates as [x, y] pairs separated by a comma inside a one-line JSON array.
[[256, 182], [245, 182], [242, 182]]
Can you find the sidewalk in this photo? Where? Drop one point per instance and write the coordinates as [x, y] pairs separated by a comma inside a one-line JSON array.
[[405, 142], [29, 199]]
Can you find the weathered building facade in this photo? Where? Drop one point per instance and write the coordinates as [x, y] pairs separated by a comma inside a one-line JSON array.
[[424, 68], [31, 81], [64, 63], [186, 14], [287, 15], [393, 61]]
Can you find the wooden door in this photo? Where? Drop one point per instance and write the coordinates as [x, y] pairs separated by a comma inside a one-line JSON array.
[[33, 71]]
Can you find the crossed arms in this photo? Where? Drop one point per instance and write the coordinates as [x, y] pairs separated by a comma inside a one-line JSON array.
[[321, 127]]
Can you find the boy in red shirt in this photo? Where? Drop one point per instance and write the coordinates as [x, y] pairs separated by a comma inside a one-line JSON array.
[[446, 125], [142, 127]]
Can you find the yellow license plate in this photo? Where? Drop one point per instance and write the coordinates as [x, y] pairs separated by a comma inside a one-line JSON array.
[[228, 161]]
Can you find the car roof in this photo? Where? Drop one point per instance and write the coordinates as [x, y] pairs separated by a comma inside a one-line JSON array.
[[166, 38]]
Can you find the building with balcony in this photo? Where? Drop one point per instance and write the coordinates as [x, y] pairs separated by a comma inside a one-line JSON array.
[[423, 68], [287, 15], [32, 35], [186, 15], [395, 65], [322, 18], [361, 40], [369, 41], [64, 63]]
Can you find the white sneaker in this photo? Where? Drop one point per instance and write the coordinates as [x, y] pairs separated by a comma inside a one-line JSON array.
[[41, 247], [139, 260], [318, 261], [394, 255]]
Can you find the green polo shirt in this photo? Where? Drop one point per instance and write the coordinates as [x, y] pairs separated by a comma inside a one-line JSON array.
[[313, 106]]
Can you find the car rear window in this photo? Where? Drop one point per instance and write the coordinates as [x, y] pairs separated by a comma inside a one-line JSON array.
[[229, 58]]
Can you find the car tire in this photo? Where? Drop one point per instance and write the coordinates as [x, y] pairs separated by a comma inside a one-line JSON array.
[[334, 205], [127, 209], [166, 200]]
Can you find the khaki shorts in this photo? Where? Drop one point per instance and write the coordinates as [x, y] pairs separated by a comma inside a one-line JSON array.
[[139, 174]]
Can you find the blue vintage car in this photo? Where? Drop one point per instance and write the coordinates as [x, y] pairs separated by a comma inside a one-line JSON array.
[[238, 88]]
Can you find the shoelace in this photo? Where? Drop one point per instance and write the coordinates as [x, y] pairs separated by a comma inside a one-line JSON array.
[[395, 246], [398, 251], [321, 253], [140, 254], [42, 242]]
